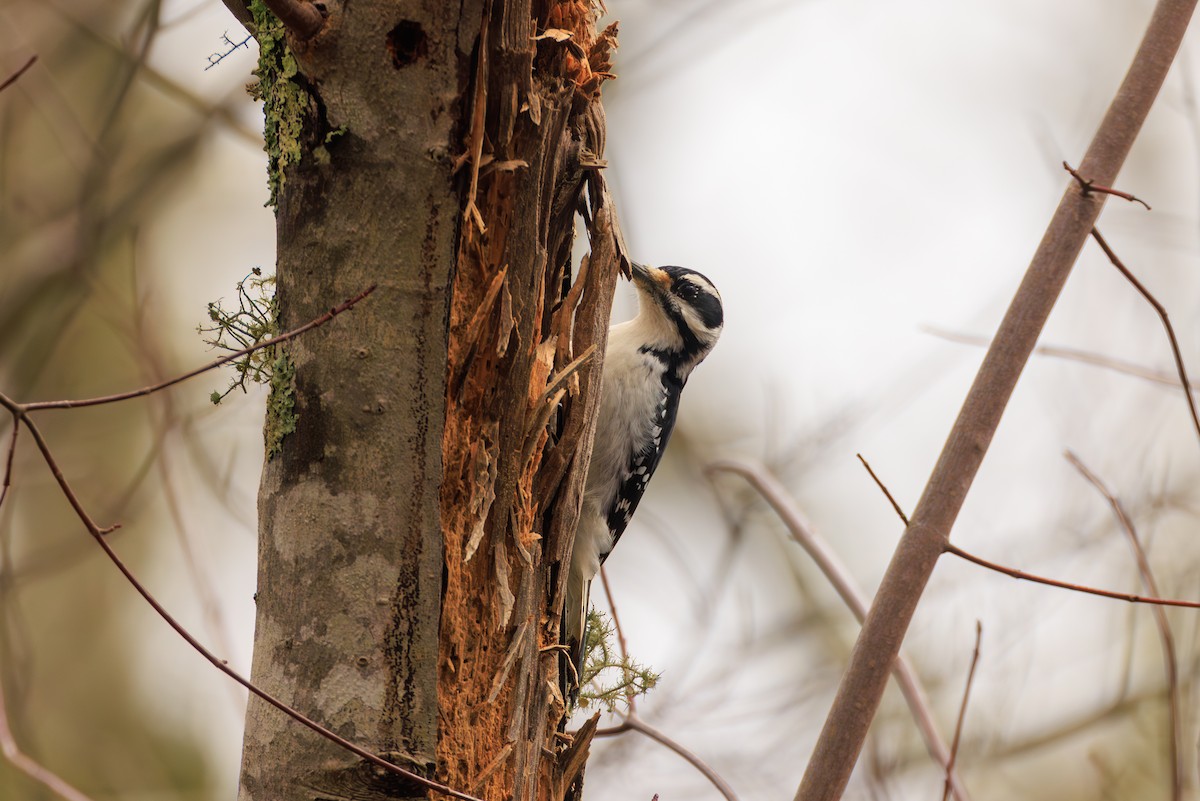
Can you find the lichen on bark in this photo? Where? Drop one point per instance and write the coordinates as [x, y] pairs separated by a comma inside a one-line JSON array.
[[281, 405], [284, 99]]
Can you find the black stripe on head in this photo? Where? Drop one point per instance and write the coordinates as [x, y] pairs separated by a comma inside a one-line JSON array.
[[692, 288]]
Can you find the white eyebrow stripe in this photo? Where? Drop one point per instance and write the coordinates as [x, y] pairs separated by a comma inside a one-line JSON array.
[[702, 283]]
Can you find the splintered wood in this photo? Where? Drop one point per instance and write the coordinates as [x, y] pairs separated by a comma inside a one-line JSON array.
[[521, 392]]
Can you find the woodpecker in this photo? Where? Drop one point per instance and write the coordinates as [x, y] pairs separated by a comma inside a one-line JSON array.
[[646, 365]]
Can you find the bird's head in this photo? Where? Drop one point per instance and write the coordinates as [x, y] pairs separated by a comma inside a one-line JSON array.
[[683, 311]]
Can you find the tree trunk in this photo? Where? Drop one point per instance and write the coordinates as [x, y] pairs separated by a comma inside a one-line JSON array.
[[426, 454]]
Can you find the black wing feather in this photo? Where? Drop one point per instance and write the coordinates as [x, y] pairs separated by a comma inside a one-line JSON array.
[[644, 463]]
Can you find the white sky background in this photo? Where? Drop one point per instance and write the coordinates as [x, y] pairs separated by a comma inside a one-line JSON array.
[[846, 173]]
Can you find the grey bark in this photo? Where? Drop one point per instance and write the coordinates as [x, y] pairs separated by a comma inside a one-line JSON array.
[[928, 531], [412, 527], [349, 536]]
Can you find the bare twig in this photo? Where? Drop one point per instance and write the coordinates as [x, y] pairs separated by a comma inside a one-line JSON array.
[[11, 79], [8, 462], [925, 538], [302, 18], [635, 723], [840, 578], [19, 760], [1072, 354], [630, 694], [950, 548], [1166, 321], [1089, 186], [20, 416], [232, 356], [1171, 663], [887, 493], [201, 585], [231, 47], [1049, 582], [962, 712], [632, 722], [220, 664]]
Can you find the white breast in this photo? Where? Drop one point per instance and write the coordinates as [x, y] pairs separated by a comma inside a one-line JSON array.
[[629, 399]]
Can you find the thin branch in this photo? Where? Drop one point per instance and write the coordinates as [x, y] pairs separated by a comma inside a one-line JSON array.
[[635, 723], [302, 18], [11, 79], [632, 722], [232, 356], [962, 711], [8, 462], [61, 480], [842, 581], [950, 548], [887, 493], [1049, 582], [1162, 315], [1171, 663], [19, 760], [231, 48], [630, 694], [928, 533], [20, 415], [201, 584], [1089, 186], [1072, 354], [220, 664]]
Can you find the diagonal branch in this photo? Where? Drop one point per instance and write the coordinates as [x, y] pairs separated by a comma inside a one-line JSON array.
[[22, 762], [98, 533], [230, 357], [862, 686], [1070, 354], [1167, 639], [633, 722], [20, 417], [962, 711], [1012, 572], [840, 578], [8, 462], [11, 79], [1162, 315], [1066, 585]]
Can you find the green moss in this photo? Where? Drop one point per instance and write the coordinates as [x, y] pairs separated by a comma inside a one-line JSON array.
[[610, 678], [281, 405], [284, 99]]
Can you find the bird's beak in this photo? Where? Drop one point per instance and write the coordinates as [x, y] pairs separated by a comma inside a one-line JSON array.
[[651, 279]]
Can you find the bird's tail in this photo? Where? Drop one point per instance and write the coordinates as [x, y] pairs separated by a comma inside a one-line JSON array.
[[574, 635]]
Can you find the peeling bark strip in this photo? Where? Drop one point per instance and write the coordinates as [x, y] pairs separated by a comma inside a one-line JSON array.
[[519, 414], [350, 554]]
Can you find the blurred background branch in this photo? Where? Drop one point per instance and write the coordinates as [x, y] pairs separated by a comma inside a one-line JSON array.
[[131, 190]]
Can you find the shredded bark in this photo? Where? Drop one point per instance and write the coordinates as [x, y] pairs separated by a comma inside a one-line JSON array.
[[521, 401]]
